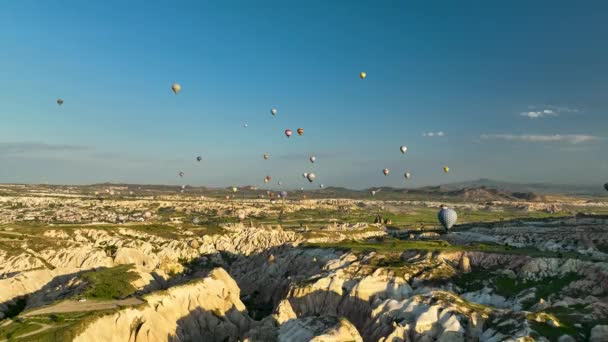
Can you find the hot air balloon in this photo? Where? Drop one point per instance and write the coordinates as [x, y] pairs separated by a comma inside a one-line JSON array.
[[283, 194], [363, 75], [386, 172], [280, 183], [407, 175], [181, 174], [273, 111], [266, 156], [176, 88], [227, 197], [288, 132], [245, 125], [373, 192], [312, 159], [447, 217], [446, 169], [311, 177], [305, 175], [234, 189], [403, 149], [199, 158], [59, 102], [606, 186], [183, 187], [300, 131], [266, 180], [321, 186]]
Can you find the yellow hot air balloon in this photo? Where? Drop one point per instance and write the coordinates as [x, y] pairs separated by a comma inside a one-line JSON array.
[[363, 75], [234, 189], [446, 169], [176, 88]]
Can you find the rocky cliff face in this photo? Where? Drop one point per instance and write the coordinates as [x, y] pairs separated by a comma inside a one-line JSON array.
[[206, 310]]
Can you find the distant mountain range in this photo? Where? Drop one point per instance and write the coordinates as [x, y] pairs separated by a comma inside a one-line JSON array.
[[480, 190], [541, 188]]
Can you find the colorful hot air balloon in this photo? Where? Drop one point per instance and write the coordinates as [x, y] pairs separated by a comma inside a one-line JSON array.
[[273, 111], [407, 175], [311, 177], [363, 75], [446, 169], [176, 88], [199, 158], [386, 172], [312, 159], [403, 149], [266, 156], [59, 102], [288, 132], [300, 131], [447, 217]]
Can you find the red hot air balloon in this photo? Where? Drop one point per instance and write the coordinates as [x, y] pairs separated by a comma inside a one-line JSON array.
[[288, 133]]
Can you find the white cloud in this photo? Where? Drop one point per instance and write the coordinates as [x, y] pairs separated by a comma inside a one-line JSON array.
[[539, 113], [433, 134], [567, 138], [535, 112]]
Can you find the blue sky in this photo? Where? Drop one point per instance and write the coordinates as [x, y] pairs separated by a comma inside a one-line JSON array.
[[519, 91]]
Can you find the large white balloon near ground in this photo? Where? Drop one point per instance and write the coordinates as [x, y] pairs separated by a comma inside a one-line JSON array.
[[447, 217], [311, 177], [176, 88]]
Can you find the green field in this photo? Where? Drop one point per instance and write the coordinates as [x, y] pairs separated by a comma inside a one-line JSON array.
[[109, 283]]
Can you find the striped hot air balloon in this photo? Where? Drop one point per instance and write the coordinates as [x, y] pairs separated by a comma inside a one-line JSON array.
[[447, 217], [300, 131]]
